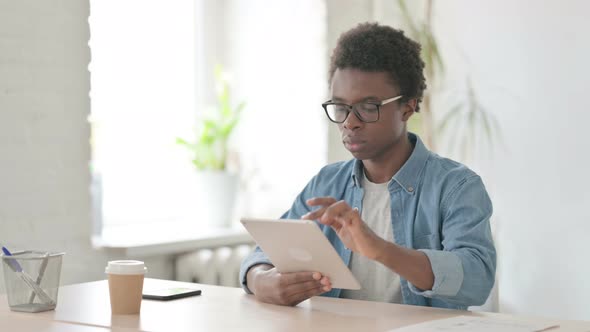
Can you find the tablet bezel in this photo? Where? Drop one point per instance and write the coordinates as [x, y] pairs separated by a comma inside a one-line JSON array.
[[289, 243]]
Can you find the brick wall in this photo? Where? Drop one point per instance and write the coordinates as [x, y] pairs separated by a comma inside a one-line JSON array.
[[44, 134]]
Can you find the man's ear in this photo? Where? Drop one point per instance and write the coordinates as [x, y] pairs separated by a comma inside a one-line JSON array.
[[408, 109]]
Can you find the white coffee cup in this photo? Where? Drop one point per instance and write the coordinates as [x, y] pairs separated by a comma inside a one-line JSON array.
[[125, 285]]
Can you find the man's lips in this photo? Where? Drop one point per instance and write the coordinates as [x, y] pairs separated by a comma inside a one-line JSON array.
[[353, 144], [353, 140]]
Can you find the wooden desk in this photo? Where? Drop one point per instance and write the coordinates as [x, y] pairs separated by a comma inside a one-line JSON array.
[[24, 323], [230, 309]]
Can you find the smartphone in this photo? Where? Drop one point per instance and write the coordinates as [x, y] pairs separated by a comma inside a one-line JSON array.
[[167, 294]]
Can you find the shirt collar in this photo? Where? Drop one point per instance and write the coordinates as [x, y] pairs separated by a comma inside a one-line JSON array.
[[408, 176]]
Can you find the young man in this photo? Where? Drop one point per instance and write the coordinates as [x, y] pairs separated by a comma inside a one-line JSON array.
[[412, 226]]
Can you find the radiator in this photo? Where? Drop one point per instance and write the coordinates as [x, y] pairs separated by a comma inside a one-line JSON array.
[[214, 266]]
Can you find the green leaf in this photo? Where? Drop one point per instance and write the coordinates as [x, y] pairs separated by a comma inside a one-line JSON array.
[[207, 138], [211, 146], [415, 123], [183, 142], [436, 57], [408, 18], [486, 123], [224, 104], [228, 128], [450, 116], [239, 108], [218, 73], [211, 125]]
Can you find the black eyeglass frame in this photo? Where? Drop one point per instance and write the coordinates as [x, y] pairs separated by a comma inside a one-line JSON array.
[[353, 108]]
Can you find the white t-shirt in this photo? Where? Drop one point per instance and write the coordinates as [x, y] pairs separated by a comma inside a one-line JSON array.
[[378, 282]]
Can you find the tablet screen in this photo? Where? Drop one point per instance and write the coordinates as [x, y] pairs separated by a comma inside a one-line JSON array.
[[299, 245]]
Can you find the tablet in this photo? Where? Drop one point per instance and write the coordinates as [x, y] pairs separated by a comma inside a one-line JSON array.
[[299, 245]]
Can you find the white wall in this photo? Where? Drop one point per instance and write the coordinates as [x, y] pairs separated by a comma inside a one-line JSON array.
[[44, 84], [275, 52], [530, 60], [44, 135], [341, 16]]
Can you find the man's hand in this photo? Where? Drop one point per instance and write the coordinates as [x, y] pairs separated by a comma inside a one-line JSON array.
[[347, 223], [270, 286], [413, 265]]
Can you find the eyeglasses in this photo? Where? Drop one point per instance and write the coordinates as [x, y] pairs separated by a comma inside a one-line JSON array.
[[366, 111]]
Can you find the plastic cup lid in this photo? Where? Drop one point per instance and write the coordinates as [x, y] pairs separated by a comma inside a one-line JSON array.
[[126, 267]]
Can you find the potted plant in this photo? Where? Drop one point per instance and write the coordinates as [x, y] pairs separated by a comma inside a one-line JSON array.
[[467, 120], [215, 186]]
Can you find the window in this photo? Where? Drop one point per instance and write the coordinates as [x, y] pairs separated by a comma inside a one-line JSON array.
[[151, 70]]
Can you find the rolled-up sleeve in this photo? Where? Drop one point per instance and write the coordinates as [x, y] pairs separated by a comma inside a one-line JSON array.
[[255, 258], [448, 274], [464, 270]]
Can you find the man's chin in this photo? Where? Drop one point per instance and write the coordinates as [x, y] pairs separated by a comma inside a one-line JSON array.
[[361, 155]]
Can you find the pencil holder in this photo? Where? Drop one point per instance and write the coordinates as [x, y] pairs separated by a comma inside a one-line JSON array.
[[32, 280]]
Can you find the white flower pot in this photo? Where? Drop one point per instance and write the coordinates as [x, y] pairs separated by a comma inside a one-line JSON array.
[[215, 196]]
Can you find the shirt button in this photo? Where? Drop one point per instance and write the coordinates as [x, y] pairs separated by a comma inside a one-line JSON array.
[[410, 189]]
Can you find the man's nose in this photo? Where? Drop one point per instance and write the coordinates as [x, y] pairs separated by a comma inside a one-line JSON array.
[[352, 121]]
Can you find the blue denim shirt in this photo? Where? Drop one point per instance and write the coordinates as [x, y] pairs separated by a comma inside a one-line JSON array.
[[438, 206]]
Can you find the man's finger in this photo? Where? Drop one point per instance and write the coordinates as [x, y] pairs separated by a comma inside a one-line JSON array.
[[326, 281], [333, 213], [332, 222], [302, 287], [313, 215], [339, 208], [299, 277], [352, 217]]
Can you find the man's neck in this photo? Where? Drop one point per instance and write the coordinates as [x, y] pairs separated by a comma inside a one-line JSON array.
[[383, 169]]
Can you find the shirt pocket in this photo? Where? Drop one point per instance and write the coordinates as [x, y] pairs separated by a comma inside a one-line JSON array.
[[427, 241]]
